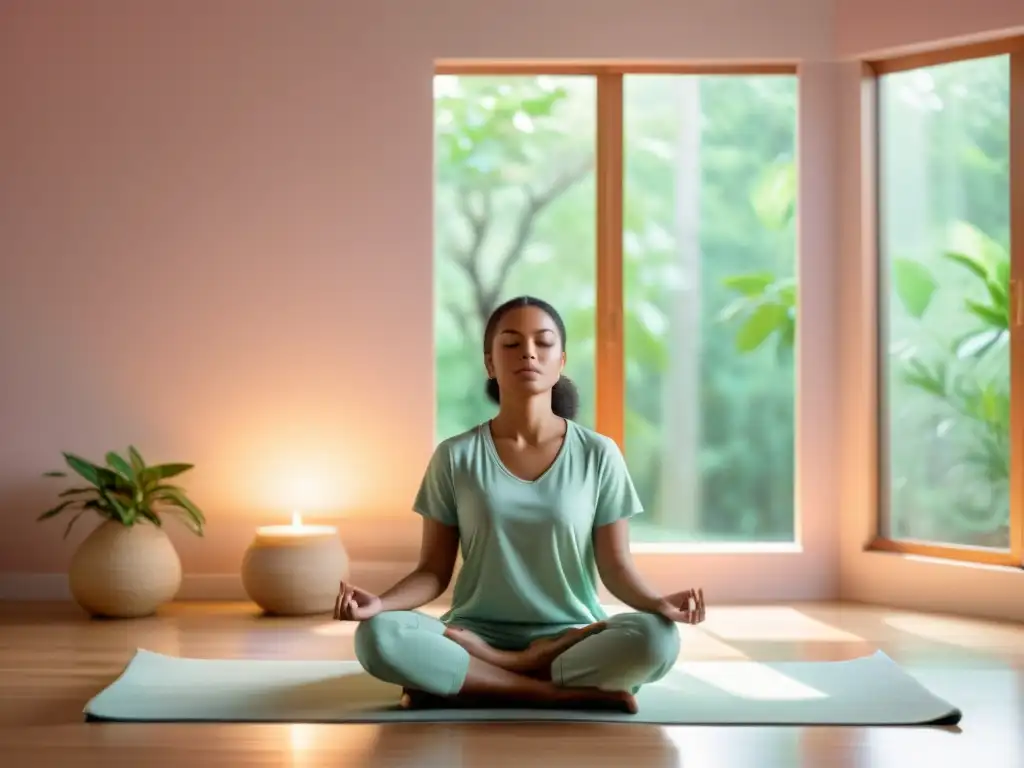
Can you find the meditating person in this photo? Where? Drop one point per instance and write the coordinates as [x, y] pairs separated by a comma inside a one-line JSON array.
[[540, 506]]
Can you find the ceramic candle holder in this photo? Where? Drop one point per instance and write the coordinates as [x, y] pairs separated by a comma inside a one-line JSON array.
[[294, 570]]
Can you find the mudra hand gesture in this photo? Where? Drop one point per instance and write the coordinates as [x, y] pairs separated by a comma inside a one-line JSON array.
[[355, 604], [686, 607]]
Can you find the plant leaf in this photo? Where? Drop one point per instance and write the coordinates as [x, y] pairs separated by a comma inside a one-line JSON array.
[[192, 522], [158, 472], [150, 515], [774, 197], [86, 469], [119, 465], [977, 343], [750, 285], [991, 315], [72, 521], [176, 496], [970, 263], [101, 508], [76, 491], [914, 285], [136, 459], [761, 323], [126, 515], [56, 510], [55, 473]]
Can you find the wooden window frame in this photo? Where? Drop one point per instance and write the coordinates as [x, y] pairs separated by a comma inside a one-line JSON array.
[[873, 71], [610, 360]]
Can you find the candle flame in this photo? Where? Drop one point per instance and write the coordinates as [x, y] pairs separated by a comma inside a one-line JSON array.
[[296, 520]]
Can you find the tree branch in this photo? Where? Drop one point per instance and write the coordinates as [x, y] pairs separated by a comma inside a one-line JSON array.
[[535, 205], [469, 260]]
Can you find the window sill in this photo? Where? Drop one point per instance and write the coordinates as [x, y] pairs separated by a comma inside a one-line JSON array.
[[715, 548], [976, 558]]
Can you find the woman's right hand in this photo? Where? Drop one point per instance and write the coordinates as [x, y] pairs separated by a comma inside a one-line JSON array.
[[355, 604]]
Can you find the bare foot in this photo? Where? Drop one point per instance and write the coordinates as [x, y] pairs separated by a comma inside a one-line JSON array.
[[535, 660], [564, 698], [541, 653]]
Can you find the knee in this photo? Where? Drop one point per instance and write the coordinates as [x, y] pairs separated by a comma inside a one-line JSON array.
[[654, 640], [377, 642]]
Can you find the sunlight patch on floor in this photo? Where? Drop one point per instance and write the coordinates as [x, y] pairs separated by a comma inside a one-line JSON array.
[[772, 624], [964, 633], [696, 645], [747, 680], [306, 742], [335, 629]]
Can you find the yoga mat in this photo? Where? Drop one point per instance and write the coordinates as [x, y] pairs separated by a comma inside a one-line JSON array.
[[871, 690]]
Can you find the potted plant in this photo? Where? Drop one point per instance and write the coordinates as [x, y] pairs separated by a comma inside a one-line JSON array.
[[127, 567]]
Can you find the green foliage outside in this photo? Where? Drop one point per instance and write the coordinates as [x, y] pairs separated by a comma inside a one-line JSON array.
[[945, 335], [515, 213], [711, 294]]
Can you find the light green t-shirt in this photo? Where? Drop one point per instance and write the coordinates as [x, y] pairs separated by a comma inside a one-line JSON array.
[[527, 546]]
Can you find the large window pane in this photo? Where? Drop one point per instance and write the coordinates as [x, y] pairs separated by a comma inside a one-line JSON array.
[[514, 214], [709, 284], [944, 268]]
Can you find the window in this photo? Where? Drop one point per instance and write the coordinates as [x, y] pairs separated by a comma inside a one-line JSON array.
[[656, 211], [709, 289], [949, 258], [514, 205]]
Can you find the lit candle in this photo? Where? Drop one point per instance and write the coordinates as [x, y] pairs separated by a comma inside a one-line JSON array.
[[294, 569], [283, 534]]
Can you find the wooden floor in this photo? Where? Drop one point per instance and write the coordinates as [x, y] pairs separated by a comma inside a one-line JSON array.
[[52, 659]]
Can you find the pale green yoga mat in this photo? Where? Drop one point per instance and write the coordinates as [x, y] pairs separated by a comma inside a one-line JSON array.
[[872, 690]]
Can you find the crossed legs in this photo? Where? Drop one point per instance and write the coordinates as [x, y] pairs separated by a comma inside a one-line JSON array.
[[602, 665]]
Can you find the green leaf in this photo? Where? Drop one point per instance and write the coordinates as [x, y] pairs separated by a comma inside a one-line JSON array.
[[750, 285], [56, 510], [734, 309], [83, 467], [999, 293], [176, 496], [914, 285], [136, 459], [976, 343], [102, 509], [119, 465], [158, 472], [125, 514], [194, 523], [786, 290], [971, 263], [990, 315], [787, 338], [774, 197], [761, 323], [55, 473], [72, 521], [919, 375], [150, 515], [76, 491]]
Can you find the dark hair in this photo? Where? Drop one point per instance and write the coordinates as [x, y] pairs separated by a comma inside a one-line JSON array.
[[565, 398]]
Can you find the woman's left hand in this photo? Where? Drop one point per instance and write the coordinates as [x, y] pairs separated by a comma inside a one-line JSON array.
[[686, 607]]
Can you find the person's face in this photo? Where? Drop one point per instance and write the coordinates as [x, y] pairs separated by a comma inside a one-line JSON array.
[[526, 355]]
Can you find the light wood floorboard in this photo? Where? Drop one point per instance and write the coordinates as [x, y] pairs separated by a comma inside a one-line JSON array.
[[53, 659]]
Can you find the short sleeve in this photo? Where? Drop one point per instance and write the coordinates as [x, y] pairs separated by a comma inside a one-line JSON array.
[[617, 498], [436, 496]]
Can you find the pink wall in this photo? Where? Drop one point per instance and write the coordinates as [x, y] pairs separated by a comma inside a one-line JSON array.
[[216, 227], [216, 232], [872, 27]]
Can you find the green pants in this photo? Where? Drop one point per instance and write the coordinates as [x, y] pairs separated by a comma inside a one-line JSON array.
[[409, 648]]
